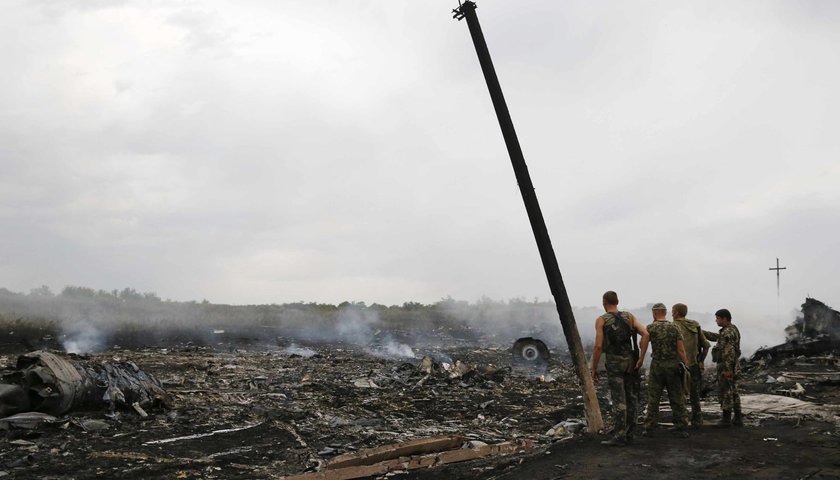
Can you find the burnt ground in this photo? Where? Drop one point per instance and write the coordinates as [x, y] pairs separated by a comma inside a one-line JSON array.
[[774, 449], [266, 413]]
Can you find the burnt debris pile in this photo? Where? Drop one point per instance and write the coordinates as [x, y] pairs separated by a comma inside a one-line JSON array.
[[814, 335], [807, 365], [264, 414]]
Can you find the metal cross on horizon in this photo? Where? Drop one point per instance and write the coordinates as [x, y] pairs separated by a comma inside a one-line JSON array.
[[777, 269]]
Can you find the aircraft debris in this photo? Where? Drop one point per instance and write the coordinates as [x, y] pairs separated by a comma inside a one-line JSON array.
[[54, 384]]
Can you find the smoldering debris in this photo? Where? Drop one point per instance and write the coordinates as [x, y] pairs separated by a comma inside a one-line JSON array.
[[84, 320], [263, 414], [49, 383], [817, 320], [814, 335], [242, 413]]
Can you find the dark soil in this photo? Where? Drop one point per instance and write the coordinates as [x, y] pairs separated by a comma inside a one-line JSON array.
[[773, 450]]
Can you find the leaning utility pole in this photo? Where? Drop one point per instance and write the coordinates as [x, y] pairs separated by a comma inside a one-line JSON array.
[[549, 260]]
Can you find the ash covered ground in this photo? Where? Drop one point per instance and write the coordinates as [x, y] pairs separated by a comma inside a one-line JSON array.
[[247, 408]]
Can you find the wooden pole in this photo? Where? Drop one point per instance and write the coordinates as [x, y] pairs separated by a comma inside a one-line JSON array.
[[549, 260]]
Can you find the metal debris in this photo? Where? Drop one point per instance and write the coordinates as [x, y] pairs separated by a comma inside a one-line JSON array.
[[56, 385], [27, 420], [200, 435]]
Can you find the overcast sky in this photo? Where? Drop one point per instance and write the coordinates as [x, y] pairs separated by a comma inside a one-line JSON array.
[[270, 152]]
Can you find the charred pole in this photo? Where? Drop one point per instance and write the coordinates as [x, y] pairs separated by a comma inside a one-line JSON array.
[[778, 271], [523, 178]]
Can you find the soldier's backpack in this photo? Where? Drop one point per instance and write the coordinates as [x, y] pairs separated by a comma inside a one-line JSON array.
[[619, 336]]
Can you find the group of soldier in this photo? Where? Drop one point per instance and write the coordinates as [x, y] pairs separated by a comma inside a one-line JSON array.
[[679, 349]]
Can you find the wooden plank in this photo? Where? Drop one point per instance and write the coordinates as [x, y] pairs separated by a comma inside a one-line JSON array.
[[370, 456], [416, 462]]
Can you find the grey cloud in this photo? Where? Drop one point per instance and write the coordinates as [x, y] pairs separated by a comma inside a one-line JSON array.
[[360, 157]]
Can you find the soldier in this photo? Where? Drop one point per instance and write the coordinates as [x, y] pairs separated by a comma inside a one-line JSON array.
[[615, 335], [726, 354], [696, 348], [666, 371]]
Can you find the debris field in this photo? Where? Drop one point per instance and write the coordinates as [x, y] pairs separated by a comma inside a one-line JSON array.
[[267, 414], [341, 411]]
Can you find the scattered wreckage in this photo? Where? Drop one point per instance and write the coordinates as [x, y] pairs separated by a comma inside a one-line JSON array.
[[264, 414], [323, 410]]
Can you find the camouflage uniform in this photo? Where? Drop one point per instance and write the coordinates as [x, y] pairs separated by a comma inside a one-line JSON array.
[[726, 354], [665, 372], [693, 338], [622, 379]]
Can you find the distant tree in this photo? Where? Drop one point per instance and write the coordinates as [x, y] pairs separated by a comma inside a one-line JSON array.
[[78, 292], [42, 291], [130, 294], [412, 306], [378, 307], [151, 296], [347, 304]]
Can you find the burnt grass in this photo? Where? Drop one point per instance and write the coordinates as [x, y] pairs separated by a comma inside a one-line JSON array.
[[276, 414]]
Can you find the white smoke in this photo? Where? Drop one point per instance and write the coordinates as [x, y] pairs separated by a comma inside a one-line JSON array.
[[356, 326], [302, 351], [82, 337], [399, 350], [391, 348]]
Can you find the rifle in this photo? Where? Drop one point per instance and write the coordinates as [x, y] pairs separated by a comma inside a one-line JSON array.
[[634, 372]]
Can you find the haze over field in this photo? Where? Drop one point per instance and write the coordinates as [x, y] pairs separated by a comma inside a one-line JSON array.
[[257, 153]]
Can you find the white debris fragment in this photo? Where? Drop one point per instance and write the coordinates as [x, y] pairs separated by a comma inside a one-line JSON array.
[[365, 383]]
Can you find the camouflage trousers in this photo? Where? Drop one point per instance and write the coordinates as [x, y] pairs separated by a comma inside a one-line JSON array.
[[728, 393], [669, 376], [694, 390], [624, 393]]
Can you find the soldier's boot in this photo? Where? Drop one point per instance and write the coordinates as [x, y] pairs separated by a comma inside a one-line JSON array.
[[725, 419], [738, 420], [696, 419]]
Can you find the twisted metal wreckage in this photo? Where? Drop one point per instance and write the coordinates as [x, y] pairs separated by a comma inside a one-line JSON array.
[[54, 385]]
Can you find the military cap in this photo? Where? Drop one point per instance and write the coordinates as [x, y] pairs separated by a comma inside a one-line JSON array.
[[659, 306]]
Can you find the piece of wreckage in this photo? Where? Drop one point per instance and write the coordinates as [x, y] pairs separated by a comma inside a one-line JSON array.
[[45, 384], [814, 334], [530, 358], [807, 362]]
